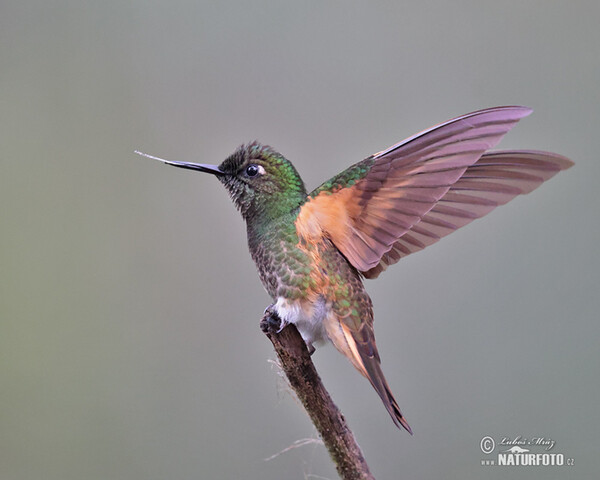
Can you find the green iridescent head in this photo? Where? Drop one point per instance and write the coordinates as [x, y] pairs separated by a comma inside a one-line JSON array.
[[261, 182]]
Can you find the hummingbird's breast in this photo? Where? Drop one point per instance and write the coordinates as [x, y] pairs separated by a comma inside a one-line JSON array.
[[308, 281]]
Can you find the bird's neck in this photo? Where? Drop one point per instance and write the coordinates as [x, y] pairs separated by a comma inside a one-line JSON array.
[[267, 212]]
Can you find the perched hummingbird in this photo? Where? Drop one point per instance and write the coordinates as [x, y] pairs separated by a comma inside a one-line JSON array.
[[314, 250]]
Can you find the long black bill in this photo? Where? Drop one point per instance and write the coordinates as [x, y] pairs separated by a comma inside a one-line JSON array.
[[214, 169]]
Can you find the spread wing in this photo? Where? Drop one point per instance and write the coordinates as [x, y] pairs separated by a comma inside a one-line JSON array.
[[493, 180], [408, 196]]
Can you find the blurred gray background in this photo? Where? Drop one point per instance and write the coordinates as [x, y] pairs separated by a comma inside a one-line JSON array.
[[129, 305]]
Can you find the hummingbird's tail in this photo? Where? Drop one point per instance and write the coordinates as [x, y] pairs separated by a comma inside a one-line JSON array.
[[375, 375], [359, 346]]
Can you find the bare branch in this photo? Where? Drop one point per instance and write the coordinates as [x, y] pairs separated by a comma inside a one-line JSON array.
[[327, 418]]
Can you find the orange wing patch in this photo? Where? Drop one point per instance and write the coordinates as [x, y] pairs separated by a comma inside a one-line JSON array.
[[327, 215]]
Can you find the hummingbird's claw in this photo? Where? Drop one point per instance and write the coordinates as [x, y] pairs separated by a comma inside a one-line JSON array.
[[271, 323]]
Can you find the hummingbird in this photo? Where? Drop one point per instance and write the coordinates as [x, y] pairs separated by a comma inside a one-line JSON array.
[[313, 250]]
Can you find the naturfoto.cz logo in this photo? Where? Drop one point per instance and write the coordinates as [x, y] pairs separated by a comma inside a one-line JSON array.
[[523, 452]]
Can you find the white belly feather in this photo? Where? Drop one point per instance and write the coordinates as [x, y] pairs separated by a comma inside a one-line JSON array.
[[308, 317]]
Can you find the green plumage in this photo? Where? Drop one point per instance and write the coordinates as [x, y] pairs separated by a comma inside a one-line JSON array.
[[270, 204], [260, 199], [347, 178]]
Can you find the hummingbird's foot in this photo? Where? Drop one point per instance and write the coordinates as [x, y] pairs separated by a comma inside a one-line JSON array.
[[271, 323], [311, 348]]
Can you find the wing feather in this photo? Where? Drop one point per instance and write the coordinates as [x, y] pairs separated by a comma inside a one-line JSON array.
[[493, 180], [410, 195], [367, 208]]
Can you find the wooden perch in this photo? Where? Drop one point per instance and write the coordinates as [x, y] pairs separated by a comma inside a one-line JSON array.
[[327, 418]]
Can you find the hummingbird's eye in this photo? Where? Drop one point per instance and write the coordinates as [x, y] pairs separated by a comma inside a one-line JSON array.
[[252, 170]]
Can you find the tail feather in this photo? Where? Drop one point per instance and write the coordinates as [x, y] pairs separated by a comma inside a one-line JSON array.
[[359, 347], [375, 375]]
